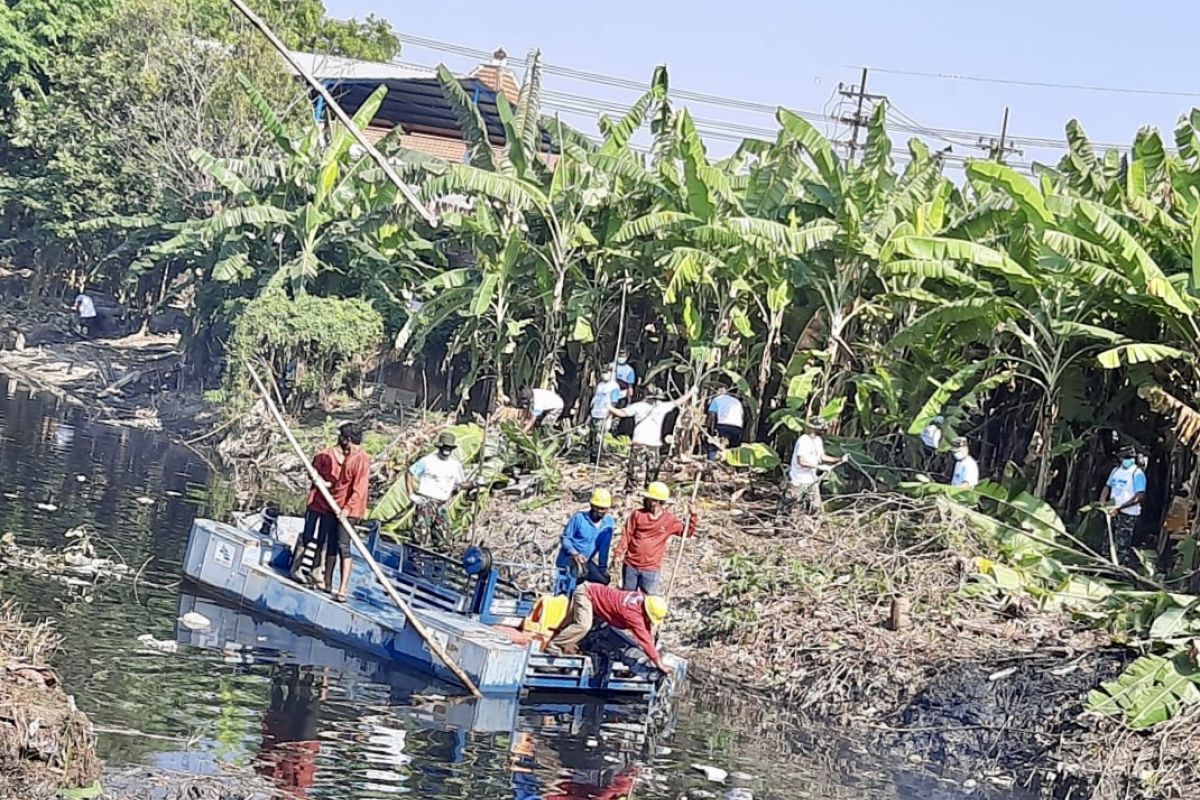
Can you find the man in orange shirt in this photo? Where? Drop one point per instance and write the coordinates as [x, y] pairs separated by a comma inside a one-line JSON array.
[[644, 540], [346, 470]]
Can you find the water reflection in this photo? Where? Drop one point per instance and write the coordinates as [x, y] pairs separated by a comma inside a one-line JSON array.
[[320, 722]]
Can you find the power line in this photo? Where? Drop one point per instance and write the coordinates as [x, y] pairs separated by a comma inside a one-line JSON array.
[[1081, 87]]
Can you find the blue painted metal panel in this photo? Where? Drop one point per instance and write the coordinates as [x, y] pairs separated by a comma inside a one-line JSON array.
[[235, 563]]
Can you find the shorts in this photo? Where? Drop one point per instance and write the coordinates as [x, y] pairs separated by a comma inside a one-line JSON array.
[[328, 532]]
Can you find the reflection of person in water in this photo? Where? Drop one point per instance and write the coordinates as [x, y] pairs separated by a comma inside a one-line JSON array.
[[586, 781], [290, 747], [619, 788]]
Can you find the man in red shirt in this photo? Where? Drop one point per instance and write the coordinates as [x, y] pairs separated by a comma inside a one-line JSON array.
[[626, 611], [644, 540], [346, 469]]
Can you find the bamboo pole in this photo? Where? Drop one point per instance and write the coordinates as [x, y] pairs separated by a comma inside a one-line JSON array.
[[687, 532], [388, 589], [616, 359], [404, 189]]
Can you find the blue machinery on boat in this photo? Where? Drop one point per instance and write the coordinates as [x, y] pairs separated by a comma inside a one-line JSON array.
[[468, 607]]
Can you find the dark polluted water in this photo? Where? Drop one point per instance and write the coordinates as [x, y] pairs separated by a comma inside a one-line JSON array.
[[315, 720]]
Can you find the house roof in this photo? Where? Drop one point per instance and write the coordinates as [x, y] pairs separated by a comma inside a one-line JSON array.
[[418, 106], [337, 68]]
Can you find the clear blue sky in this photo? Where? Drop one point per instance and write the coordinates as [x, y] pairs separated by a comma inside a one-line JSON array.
[[796, 53]]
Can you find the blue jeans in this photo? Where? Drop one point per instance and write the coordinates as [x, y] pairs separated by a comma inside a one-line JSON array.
[[640, 580]]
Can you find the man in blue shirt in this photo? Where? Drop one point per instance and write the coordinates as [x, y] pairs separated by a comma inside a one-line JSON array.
[[1126, 488], [626, 376], [583, 552]]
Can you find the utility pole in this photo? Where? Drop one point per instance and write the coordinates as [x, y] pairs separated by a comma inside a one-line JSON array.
[[999, 149], [858, 119]]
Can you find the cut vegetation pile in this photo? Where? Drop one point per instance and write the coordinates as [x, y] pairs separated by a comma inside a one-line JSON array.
[[45, 742]]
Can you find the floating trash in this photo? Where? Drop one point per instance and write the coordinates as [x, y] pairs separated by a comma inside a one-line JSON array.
[[161, 645], [46, 507], [194, 621], [714, 774], [81, 478], [145, 501]]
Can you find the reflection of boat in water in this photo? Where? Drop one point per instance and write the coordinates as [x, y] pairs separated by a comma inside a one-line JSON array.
[[593, 746], [469, 608]]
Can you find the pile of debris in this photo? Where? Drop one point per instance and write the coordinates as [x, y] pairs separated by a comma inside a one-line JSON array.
[[46, 743]]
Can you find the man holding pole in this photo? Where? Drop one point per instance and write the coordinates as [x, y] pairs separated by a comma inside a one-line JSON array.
[[584, 546], [345, 469], [645, 451], [644, 540]]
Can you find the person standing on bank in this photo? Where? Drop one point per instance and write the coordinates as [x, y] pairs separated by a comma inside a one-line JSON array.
[[726, 419], [966, 469], [808, 461], [85, 307], [931, 437], [607, 395], [645, 450], [346, 469], [644, 540], [431, 483], [1126, 488], [626, 375]]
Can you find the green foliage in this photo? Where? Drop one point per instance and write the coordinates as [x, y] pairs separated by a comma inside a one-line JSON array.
[[1151, 690], [326, 343]]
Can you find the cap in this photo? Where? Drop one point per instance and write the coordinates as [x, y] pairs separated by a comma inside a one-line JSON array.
[[446, 439], [959, 441], [818, 424]]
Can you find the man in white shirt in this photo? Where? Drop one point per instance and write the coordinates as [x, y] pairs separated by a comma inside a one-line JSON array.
[[431, 483], [544, 407], [645, 450], [726, 419], [608, 393], [809, 459], [966, 469], [1126, 488], [87, 312]]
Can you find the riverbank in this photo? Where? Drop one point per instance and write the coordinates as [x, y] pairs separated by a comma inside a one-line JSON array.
[[133, 381]]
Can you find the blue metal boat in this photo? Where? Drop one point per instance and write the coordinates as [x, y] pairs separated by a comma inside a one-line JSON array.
[[467, 607]]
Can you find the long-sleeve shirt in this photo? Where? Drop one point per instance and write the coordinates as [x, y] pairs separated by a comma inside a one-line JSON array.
[[644, 540], [348, 479], [624, 611], [588, 538]]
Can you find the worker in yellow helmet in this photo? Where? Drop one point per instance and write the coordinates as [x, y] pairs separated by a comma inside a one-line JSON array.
[[586, 540], [644, 541], [633, 612]]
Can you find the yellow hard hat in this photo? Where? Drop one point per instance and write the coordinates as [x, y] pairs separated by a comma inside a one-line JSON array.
[[602, 498], [656, 608], [657, 491]]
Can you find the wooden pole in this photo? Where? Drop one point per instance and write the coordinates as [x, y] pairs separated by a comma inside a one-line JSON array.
[[390, 590], [687, 531], [404, 189]]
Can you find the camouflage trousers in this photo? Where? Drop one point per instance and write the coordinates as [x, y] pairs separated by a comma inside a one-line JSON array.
[[1123, 528], [800, 501], [642, 467], [431, 523]]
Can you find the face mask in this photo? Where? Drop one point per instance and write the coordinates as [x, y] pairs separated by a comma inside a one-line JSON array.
[[1127, 463], [622, 360], [444, 453], [597, 514], [959, 455]]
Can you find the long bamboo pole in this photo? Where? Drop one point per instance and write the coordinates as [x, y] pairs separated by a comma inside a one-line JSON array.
[[390, 590], [687, 532], [615, 363], [404, 189]]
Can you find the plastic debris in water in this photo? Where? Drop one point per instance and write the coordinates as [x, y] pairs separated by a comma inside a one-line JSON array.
[[194, 621], [161, 645], [81, 478], [714, 774], [46, 507], [145, 501]]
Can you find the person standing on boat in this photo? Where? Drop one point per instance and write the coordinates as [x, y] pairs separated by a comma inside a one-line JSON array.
[[345, 469], [644, 541], [583, 549], [633, 612], [431, 483]]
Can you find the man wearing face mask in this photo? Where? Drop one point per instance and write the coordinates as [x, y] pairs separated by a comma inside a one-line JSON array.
[[440, 475], [1126, 487], [966, 470], [585, 543], [626, 375]]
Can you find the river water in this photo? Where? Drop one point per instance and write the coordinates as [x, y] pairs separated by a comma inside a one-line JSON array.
[[316, 721]]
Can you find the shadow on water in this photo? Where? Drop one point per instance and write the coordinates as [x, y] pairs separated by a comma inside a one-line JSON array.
[[316, 719]]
